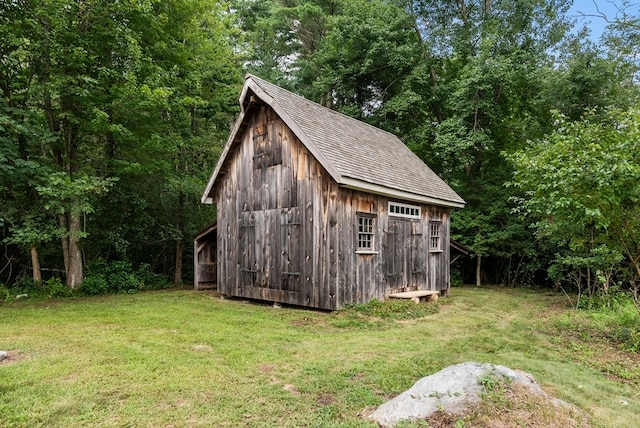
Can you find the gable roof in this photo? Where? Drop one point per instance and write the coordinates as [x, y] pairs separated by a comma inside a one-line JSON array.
[[356, 155]]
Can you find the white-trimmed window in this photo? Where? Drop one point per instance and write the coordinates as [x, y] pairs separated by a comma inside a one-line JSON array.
[[366, 227], [398, 209], [435, 236]]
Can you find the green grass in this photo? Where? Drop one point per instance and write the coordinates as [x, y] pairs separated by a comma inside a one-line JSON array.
[[184, 358]]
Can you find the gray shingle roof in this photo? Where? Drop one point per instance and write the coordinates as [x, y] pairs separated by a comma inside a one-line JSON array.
[[356, 154]]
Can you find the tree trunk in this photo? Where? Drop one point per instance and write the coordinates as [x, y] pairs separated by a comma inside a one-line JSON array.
[[74, 272], [177, 277], [64, 225], [35, 264], [478, 270]]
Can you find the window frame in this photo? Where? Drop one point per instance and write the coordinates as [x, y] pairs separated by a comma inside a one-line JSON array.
[[368, 220], [435, 225], [399, 209]]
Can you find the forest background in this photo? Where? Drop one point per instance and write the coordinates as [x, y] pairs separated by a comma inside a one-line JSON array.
[[113, 115]]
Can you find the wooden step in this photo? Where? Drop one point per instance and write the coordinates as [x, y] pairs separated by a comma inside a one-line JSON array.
[[416, 295]]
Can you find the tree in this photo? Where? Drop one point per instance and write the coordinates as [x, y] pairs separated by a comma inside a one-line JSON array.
[[581, 187], [120, 89], [489, 65]]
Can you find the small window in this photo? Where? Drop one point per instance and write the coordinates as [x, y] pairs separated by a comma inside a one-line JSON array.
[[404, 210], [366, 224], [435, 236]]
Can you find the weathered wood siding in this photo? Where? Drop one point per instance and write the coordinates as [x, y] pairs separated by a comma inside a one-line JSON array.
[[288, 233]]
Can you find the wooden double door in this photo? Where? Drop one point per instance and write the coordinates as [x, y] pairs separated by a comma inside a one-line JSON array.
[[405, 255]]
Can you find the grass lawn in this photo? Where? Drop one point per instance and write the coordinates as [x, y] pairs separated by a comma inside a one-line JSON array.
[[185, 358]]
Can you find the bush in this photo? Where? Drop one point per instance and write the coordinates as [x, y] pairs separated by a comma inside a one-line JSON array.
[[5, 295], [613, 299], [616, 318], [25, 286], [120, 277], [94, 284], [456, 278], [54, 288], [151, 280], [114, 277]]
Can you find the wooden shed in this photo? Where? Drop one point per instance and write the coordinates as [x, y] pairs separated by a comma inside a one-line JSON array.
[[317, 209]]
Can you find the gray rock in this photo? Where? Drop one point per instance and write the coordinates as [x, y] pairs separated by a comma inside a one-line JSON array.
[[3, 355], [451, 390]]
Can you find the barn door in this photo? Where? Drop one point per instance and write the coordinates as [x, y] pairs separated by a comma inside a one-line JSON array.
[[270, 249], [403, 255]]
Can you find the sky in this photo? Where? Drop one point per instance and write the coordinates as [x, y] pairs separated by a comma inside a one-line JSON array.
[[588, 7]]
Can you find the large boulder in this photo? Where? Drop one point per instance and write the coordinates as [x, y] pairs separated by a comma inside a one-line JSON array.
[[451, 390]]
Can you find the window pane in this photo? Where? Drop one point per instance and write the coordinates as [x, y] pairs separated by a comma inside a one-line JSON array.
[[434, 236], [365, 233]]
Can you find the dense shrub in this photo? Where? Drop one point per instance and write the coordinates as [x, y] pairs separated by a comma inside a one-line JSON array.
[[27, 287], [5, 295], [612, 299], [54, 287], [151, 280], [95, 284], [120, 277]]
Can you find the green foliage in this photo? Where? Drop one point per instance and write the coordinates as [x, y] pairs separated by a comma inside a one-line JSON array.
[[494, 385], [55, 288], [5, 294], [27, 288], [151, 280], [119, 277], [95, 284], [614, 318], [456, 277], [130, 97], [620, 321], [63, 194], [581, 187]]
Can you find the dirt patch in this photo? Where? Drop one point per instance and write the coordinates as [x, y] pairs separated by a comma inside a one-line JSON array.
[[201, 347], [326, 399], [14, 357], [266, 368], [292, 389]]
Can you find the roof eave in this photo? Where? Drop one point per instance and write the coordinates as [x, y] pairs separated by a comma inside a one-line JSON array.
[[351, 183]]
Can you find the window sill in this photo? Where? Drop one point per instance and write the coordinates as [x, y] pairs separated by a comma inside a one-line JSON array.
[[366, 252], [435, 251]]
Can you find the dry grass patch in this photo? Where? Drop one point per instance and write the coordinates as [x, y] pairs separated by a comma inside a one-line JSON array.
[[511, 406]]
